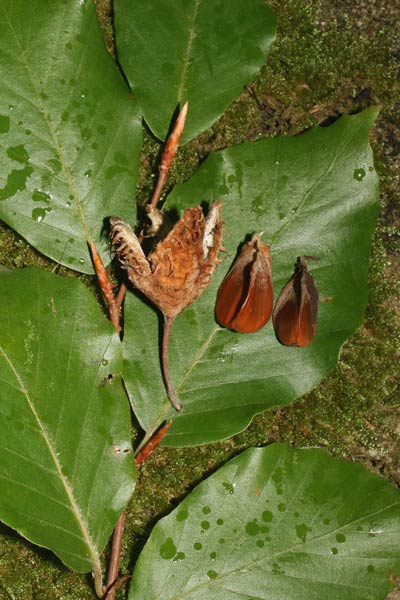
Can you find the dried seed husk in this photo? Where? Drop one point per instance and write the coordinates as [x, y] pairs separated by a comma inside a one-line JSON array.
[[296, 310], [180, 267], [245, 297], [176, 272]]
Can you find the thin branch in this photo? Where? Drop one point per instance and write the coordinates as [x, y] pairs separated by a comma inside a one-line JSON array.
[[113, 310], [114, 587], [113, 583], [114, 305], [115, 558], [168, 155]]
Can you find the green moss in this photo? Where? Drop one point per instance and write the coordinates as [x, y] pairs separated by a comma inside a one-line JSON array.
[[329, 58], [105, 14]]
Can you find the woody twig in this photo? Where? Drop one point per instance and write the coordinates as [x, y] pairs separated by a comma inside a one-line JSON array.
[[113, 582], [114, 305]]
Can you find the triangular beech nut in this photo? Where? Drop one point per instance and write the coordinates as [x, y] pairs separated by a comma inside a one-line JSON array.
[[245, 297], [296, 310]]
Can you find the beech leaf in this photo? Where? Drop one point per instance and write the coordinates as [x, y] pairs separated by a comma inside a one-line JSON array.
[[276, 523], [173, 51], [70, 131], [66, 466], [312, 195]]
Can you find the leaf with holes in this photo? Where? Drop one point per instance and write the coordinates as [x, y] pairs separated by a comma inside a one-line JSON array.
[[204, 52], [276, 523], [70, 132], [314, 194], [66, 468]]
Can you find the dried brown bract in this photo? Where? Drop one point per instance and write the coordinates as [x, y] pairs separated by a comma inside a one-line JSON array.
[[177, 271]]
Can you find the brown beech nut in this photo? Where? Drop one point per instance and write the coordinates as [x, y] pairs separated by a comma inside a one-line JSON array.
[[296, 310], [245, 297]]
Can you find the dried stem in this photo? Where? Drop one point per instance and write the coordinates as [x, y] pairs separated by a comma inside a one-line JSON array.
[[168, 155], [114, 305], [113, 583], [114, 587], [113, 310], [164, 364], [106, 287], [115, 557]]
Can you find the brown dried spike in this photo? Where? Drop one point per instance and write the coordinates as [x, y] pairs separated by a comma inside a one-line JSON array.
[[105, 285], [168, 155]]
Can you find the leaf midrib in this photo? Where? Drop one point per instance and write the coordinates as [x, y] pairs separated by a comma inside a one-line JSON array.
[[186, 62]]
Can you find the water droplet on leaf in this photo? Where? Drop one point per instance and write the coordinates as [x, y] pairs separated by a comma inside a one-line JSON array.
[[182, 515], [267, 516], [38, 214], [197, 546], [252, 528], [39, 196], [168, 549], [228, 486], [4, 124], [302, 531], [359, 174], [18, 153]]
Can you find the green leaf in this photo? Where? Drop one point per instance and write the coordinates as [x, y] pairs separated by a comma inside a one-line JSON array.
[[70, 132], [276, 523], [314, 194], [203, 52], [66, 468]]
